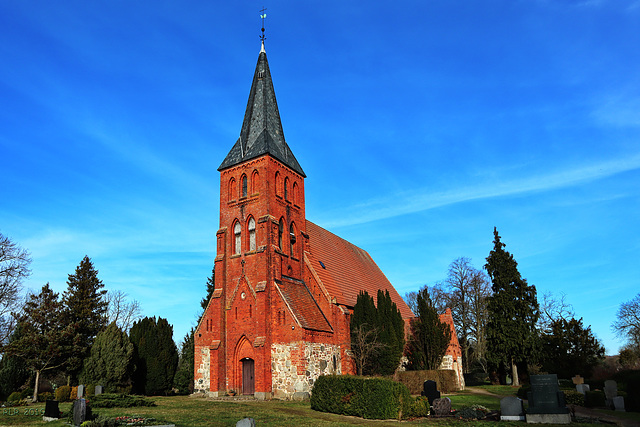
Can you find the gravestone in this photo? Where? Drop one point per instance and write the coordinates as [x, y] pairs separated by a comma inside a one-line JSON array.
[[618, 403], [51, 410], [577, 380], [246, 422], [79, 409], [430, 391], [511, 409], [99, 390], [442, 407], [610, 391], [546, 401], [80, 391], [583, 388]]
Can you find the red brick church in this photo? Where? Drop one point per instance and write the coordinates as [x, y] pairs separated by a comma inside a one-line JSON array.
[[284, 286]]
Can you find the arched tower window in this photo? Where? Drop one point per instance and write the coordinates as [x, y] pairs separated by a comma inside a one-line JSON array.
[[286, 188], [244, 185], [232, 189], [237, 232], [295, 193], [254, 182], [280, 232], [252, 234], [292, 239]]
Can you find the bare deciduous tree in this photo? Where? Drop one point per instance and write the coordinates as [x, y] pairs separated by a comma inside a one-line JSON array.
[[14, 267], [440, 298], [121, 311], [628, 322], [553, 310], [364, 345]]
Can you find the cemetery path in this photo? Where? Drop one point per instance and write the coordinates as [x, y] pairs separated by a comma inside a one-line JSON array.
[[609, 417]]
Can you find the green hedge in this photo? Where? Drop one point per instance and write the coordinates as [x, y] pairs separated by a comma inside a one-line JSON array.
[[573, 397], [593, 399], [446, 380], [374, 398], [113, 400]]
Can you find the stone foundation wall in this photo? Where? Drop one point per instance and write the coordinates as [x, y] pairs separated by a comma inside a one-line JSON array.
[[296, 366], [202, 381]]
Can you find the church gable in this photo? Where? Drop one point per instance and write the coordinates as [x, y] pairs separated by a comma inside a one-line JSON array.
[[303, 306]]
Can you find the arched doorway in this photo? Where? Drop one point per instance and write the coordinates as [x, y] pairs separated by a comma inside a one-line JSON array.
[[248, 383]]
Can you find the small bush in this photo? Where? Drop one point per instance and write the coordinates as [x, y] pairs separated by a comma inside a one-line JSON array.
[[43, 397], [14, 397], [572, 397], [419, 408], [593, 399], [26, 393], [73, 395], [374, 398], [89, 390], [113, 400], [62, 393], [475, 412]]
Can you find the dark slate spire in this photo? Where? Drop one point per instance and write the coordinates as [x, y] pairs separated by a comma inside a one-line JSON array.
[[261, 129]]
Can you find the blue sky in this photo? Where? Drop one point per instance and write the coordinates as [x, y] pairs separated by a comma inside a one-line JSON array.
[[421, 125]]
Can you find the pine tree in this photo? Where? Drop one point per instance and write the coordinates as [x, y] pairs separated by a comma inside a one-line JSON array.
[[111, 360], [156, 356], [429, 336], [513, 312], [85, 308], [183, 380], [211, 286]]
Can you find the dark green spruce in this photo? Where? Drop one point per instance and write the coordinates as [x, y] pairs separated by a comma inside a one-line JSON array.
[[429, 336]]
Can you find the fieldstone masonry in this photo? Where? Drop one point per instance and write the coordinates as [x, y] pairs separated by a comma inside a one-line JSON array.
[[202, 384], [296, 366]]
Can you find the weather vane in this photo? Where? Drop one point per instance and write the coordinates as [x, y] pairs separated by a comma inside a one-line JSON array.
[[263, 15]]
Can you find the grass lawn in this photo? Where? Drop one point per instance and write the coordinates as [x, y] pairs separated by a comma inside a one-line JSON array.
[[186, 411]]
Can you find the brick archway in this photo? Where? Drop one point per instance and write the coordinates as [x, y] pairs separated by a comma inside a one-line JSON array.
[[244, 350]]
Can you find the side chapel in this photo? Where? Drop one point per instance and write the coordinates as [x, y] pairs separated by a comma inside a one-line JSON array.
[[284, 286]]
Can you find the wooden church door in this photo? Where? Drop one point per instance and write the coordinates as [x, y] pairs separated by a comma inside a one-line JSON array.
[[248, 384]]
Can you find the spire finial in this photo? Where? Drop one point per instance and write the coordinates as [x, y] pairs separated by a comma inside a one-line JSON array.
[[263, 14]]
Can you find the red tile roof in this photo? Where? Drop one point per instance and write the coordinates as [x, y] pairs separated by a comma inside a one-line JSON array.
[[304, 307], [345, 269]]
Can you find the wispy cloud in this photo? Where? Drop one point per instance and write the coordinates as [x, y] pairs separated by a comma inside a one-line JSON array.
[[418, 201]]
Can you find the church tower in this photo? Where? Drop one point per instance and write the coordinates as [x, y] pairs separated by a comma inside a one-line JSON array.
[[284, 287]]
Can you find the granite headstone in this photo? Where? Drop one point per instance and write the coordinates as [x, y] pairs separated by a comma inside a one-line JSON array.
[[430, 391], [80, 391], [546, 401], [610, 391], [511, 409], [618, 403], [79, 409], [583, 388], [246, 422], [51, 409], [98, 390]]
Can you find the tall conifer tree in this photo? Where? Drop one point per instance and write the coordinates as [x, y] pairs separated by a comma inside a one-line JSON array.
[[111, 360], [429, 336], [513, 312], [85, 309]]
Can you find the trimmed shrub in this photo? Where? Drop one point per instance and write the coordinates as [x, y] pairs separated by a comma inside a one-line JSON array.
[[62, 393], [14, 397], [446, 380], [43, 397], [374, 398], [73, 394], [419, 408], [113, 400], [594, 399], [572, 397]]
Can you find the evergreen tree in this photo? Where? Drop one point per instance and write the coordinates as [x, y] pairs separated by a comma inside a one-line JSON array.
[[365, 343], [13, 370], [429, 336], [391, 327], [568, 348], [44, 338], [111, 360], [513, 312], [156, 356], [85, 308], [211, 286], [183, 380]]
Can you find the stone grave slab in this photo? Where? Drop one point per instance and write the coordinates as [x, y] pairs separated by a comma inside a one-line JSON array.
[[246, 422], [610, 391], [51, 410], [583, 388], [511, 409], [546, 401], [618, 403], [80, 392], [79, 409], [98, 390]]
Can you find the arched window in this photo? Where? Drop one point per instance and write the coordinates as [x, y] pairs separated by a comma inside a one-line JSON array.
[[237, 232], [277, 183], [244, 185], [286, 188], [292, 239], [232, 189], [295, 193], [254, 182], [252, 234], [280, 232]]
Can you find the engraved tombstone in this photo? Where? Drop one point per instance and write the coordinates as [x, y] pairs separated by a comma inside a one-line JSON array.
[[511, 409], [618, 403], [51, 410], [80, 391], [98, 390], [546, 401], [610, 391], [79, 409], [442, 407], [246, 422], [583, 388]]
